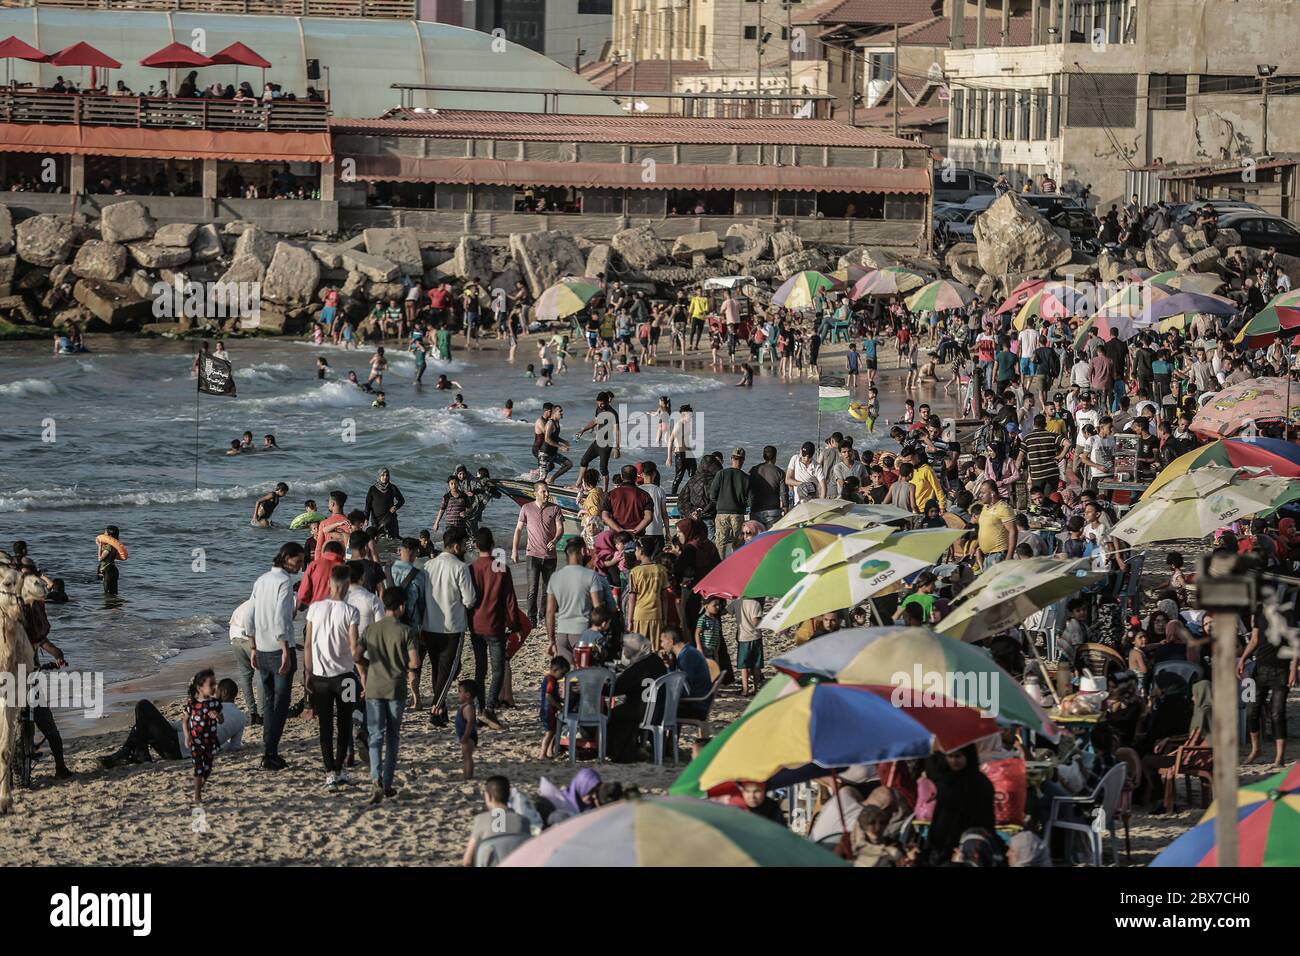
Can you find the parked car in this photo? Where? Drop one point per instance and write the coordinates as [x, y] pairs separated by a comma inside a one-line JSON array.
[[958, 185], [1262, 230], [1187, 212], [1043, 202], [958, 220]]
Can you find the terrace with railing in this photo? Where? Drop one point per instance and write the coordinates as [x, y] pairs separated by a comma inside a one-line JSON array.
[[152, 112], [384, 9]]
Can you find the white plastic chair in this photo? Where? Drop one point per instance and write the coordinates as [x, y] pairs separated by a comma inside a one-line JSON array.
[[701, 724], [669, 688], [595, 685], [492, 850], [1105, 798]]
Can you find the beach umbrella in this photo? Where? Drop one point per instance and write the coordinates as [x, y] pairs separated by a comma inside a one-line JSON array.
[[1136, 275], [1280, 457], [1186, 303], [1105, 326], [1256, 400], [766, 565], [1268, 827], [816, 509], [567, 297], [891, 280], [175, 56], [941, 294], [1010, 591], [1200, 502], [83, 54], [1020, 295], [810, 732], [1188, 281], [669, 831], [1053, 301], [798, 291], [12, 48], [1129, 301], [237, 55], [923, 660], [849, 546], [1282, 314], [849, 275], [305, 519], [843, 585]]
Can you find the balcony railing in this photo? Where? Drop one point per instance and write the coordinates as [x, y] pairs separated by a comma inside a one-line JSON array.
[[384, 9], [151, 112]]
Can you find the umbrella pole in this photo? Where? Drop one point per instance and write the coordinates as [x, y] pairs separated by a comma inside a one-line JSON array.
[[1042, 669]]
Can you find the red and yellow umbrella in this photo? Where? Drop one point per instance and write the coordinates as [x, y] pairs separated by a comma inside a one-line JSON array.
[[1280, 457], [1268, 827], [766, 566]]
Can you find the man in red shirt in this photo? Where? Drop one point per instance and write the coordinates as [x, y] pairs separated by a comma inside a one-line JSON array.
[[492, 617], [315, 583], [439, 299], [627, 507]]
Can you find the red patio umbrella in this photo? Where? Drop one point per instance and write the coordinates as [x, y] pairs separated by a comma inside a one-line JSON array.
[[83, 54], [172, 56], [12, 48], [237, 55]]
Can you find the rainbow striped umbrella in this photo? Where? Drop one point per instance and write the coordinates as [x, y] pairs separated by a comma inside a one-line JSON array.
[[1053, 301], [1020, 295], [1280, 457], [891, 280], [919, 658], [1010, 591], [1268, 827], [798, 291], [567, 297], [1282, 314], [1129, 301], [1105, 325], [767, 565], [810, 731], [941, 294], [849, 275], [669, 831], [1205, 282], [1186, 303]]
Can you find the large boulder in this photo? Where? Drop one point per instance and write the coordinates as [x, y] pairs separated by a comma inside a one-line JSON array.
[[1012, 237], [801, 261], [125, 222], [867, 257], [206, 244], [372, 267], [785, 243], [45, 240], [98, 259], [1157, 258], [1208, 259], [292, 276], [542, 258], [639, 247], [601, 259], [745, 244], [8, 268], [505, 280], [6, 231], [329, 254], [696, 244], [472, 260], [963, 261], [400, 246], [255, 242], [151, 256], [353, 285], [116, 304], [176, 234], [1110, 265], [243, 269]]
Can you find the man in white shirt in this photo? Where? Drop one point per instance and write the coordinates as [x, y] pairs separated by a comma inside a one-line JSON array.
[[1028, 344], [368, 607], [451, 594], [153, 731], [1084, 414], [273, 646], [241, 642], [801, 470], [1079, 373], [328, 639], [656, 529]]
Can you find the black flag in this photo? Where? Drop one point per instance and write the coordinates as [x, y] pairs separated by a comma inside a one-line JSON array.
[[214, 375]]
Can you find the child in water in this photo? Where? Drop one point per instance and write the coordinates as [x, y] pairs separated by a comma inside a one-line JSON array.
[[530, 373], [379, 401], [459, 402], [322, 367], [509, 410]]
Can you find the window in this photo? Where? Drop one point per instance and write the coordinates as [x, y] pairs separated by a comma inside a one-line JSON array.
[[704, 41], [905, 207], [995, 115], [645, 202], [796, 204], [494, 197], [1040, 114], [1108, 99], [880, 66], [1008, 116], [450, 197], [602, 8], [1022, 104], [753, 204], [958, 113], [606, 201], [1167, 91], [1228, 84], [751, 33]]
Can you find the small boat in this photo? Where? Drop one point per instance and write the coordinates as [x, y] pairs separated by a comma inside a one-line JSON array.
[[522, 490]]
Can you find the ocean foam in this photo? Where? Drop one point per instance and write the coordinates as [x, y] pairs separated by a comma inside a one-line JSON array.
[[29, 388]]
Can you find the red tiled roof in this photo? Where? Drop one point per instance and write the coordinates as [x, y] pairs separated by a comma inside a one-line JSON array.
[[870, 11], [496, 172], [651, 75], [908, 116], [639, 130], [935, 32]]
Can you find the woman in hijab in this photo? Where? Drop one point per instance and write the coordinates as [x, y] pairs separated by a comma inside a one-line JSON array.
[[383, 501], [1028, 849], [581, 791], [638, 668], [1171, 712], [978, 847], [963, 801]]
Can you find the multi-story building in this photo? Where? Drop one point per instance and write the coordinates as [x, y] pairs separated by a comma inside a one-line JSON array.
[[1104, 89]]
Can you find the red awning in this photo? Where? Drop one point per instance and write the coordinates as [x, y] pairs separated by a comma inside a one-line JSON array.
[[175, 56], [496, 172], [166, 143], [12, 48], [83, 54], [239, 55]]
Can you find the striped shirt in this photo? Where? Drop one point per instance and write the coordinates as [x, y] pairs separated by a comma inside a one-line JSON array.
[[1041, 447]]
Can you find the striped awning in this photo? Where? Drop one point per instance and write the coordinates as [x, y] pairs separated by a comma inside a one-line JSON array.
[[234, 146]]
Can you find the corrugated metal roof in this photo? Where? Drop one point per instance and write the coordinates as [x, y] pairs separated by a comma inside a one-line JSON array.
[[935, 32], [497, 172], [870, 11], [651, 75], [636, 130], [907, 115]]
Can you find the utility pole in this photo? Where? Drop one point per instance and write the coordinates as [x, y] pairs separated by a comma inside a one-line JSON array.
[[789, 49], [636, 49], [853, 85], [578, 51], [1266, 77], [670, 13], [898, 89]]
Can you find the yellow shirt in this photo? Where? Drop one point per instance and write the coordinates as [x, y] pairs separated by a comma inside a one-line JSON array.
[[926, 486], [992, 531], [1056, 426], [698, 308]]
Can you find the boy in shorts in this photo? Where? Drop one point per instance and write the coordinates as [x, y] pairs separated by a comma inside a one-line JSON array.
[[550, 704]]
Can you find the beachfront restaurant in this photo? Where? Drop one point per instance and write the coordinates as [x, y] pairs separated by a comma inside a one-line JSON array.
[[453, 172]]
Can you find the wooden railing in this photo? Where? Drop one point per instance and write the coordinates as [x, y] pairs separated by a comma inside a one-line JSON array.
[[92, 109], [383, 9]]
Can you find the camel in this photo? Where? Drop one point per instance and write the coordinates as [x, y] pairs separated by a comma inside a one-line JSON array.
[[15, 651]]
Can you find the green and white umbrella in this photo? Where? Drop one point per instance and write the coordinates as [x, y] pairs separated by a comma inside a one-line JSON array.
[[1011, 591], [941, 294], [866, 574], [1200, 502], [567, 297], [832, 509]]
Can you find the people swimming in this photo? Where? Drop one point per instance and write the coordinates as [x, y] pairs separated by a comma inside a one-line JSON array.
[[459, 402], [445, 384]]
